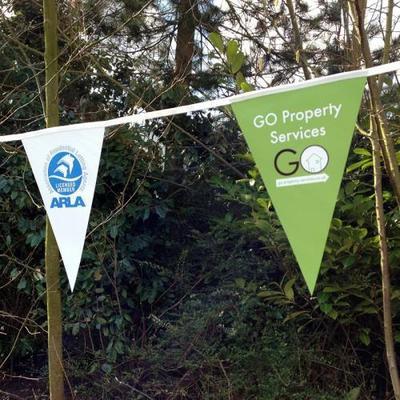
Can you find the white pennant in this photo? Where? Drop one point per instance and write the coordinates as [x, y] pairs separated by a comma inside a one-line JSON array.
[[65, 166]]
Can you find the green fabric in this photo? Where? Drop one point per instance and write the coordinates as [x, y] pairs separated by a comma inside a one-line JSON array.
[[300, 141]]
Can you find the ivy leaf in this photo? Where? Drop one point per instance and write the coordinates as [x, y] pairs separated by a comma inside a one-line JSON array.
[[114, 231], [22, 284]]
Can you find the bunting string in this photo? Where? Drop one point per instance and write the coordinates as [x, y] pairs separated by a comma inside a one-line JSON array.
[[145, 116]]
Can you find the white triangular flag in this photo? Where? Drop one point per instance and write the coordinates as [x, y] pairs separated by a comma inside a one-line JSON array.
[[65, 165]]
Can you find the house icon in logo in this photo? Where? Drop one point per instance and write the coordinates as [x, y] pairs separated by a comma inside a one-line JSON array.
[[314, 159], [314, 163]]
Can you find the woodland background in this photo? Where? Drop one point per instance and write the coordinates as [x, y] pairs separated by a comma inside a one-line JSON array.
[[188, 288]]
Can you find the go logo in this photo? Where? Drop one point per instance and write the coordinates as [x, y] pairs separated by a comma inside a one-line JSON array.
[[313, 160]]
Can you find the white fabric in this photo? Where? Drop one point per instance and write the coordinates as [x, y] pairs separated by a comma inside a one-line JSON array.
[[65, 167]]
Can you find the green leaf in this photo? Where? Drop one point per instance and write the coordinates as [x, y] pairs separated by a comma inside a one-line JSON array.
[[364, 337], [288, 289], [326, 308], [101, 320], [269, 293], [354, 394], [107, 368], [232, 48], [240, 283], [332, 289], [216, 39], [362, 233], [236, 62], [348, 261], [161, 211], [3, 183], [263, 203], [323, 297], [114, 231], [333, 314], [119, 347], [239, 78], [362, 152], [294, 315], [146, 214], [14, 273], [93, 368], [75, 328], [22, 284], [369, 310], [337, 223], [349, 188], [246, 87], [357, 165]]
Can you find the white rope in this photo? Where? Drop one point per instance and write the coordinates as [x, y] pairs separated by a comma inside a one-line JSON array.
[[139, 118]]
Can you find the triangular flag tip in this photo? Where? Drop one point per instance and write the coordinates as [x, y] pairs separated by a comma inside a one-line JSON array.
[[65, 165], [300, 141]]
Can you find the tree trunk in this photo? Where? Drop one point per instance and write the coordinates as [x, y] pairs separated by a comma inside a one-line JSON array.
[[386, 142], [185, 40], [298, 50], [383, 144], [52, 261], [384, 262]]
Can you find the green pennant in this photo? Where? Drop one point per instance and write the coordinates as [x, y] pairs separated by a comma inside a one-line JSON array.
[[300, 140]]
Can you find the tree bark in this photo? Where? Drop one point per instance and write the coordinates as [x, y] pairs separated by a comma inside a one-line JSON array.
[[384, 263], [52, 260], [386, 142], [185, 40], [382, 144], [388, 39], [297, 41]]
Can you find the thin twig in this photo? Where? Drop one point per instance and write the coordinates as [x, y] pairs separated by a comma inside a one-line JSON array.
[[134, 389]]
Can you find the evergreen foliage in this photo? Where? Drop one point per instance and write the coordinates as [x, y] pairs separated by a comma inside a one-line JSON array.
[[188, 288]]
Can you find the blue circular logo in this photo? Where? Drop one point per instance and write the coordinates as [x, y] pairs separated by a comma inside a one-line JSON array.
[[65, 173]]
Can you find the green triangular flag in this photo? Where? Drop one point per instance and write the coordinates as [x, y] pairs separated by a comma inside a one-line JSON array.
[[300, 140]]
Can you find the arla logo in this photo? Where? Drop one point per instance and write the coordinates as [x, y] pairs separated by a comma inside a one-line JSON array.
[[65, 173]]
